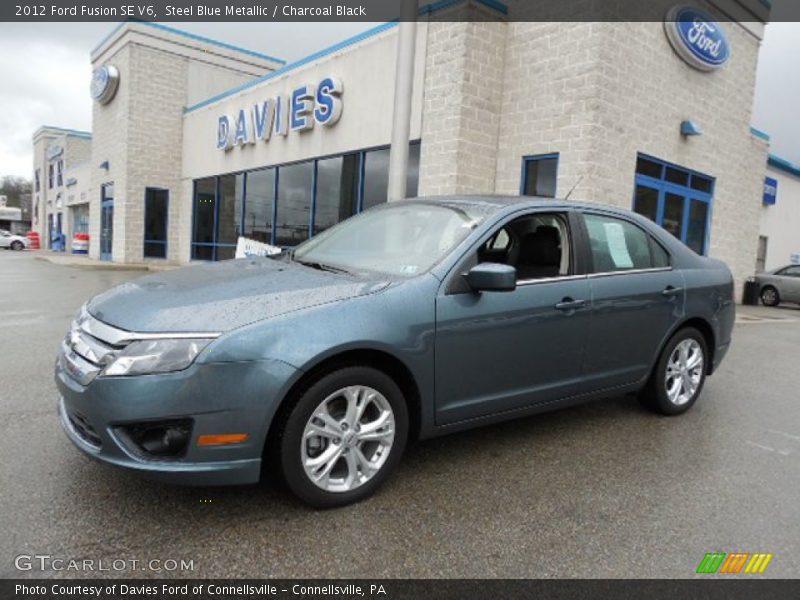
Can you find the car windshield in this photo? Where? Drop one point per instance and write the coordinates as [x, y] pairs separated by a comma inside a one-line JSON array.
[[403, 238]]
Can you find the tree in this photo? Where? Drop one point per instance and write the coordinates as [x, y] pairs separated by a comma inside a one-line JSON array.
[[16, 189]]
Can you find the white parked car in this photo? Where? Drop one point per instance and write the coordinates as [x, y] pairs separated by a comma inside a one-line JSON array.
[[10, 240]]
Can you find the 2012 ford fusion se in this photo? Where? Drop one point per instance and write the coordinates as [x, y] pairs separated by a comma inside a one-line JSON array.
[[410, 320]]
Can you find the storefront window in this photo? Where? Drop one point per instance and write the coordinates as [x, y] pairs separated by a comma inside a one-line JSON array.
[[229, 210], [156, 209], [228, 206], [293, 203], [204, 203], [645, 202], [696, 228], [376, 177], [412, 179], [258, 205], [676, 198], [539, 175], [337, 191]]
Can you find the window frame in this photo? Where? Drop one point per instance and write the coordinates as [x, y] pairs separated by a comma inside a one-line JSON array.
[[536, 158], [588, 256], [689, 194]]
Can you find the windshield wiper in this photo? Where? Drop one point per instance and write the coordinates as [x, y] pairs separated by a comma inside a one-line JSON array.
[[322, 266]]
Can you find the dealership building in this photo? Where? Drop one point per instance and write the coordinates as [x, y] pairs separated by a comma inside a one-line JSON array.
[[196, 142]]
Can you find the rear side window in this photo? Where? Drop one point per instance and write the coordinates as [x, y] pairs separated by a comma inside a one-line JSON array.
[[791, 272], [617, 245]]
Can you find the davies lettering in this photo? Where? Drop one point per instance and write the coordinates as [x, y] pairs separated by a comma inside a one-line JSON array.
[[298, 111]]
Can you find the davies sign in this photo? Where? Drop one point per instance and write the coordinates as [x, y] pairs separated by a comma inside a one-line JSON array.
[[697, 38], [307, 104]]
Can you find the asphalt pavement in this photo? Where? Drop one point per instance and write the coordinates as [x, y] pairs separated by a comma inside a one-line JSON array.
[[602, 490]]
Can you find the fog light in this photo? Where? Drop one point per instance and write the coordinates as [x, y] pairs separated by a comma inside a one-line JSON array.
[[157, 440], [221, 439]]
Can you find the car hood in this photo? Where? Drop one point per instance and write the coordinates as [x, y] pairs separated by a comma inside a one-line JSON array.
[[218, 297]]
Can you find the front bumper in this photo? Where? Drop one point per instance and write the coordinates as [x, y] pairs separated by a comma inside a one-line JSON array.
[[218, 398]]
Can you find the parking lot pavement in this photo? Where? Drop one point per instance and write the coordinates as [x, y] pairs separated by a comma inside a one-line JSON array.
[[602, 490]]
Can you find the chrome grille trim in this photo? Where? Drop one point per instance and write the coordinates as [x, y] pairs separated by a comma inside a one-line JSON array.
[[89, 347], [119, 337], [80, 369]]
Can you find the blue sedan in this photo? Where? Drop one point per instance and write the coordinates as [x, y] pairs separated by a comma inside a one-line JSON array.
[[411, 320]]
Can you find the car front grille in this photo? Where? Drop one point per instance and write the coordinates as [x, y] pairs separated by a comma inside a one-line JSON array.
[[89, 346]]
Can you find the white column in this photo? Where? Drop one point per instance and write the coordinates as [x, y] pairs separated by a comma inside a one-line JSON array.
[[404, 81]]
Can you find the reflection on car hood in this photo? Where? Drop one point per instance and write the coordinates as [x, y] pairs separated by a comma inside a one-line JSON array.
[[223, 296]]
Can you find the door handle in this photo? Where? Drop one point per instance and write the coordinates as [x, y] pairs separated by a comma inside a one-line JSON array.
[[671, 291], [570, 304]]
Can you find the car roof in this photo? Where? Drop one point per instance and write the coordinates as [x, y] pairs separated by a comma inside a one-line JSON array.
[[500, 202]]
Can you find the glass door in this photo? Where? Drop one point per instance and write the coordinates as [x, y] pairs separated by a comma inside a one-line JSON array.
[[106, 220]]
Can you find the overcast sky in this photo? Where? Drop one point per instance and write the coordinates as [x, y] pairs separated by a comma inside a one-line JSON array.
[[45, 73]]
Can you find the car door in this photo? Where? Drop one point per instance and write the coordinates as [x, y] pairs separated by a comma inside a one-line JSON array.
[[637, 297], [5, 239], [790, 284], [501, 351]]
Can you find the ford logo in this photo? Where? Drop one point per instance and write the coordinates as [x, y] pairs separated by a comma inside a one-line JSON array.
[[104, 83], [697, 38]]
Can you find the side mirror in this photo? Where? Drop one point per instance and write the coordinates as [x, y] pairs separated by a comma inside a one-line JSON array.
[[492, 277]]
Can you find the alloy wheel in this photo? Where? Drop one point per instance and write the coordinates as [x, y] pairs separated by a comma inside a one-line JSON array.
[[684, 371], [769, 297], [347, 439]]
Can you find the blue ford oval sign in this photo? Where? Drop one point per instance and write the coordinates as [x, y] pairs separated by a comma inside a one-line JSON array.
[[697, 38]]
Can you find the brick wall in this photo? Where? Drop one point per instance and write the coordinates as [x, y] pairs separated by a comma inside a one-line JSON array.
[[463, 87]]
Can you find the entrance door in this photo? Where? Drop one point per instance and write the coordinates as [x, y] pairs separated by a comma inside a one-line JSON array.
[[106, 220]]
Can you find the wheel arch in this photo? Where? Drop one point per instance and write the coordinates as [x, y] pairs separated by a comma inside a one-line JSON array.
[[704, 327], [381, 360]]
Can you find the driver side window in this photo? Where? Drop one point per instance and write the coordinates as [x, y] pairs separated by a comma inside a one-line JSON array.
[[536, 245]]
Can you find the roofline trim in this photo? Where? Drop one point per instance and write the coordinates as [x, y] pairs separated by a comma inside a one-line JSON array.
[[781, 164], [64, 131], [760, 134], [193, 36]]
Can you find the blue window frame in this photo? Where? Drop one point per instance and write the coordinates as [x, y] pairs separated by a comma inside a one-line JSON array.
[[677, 198], [336, 190], [539, 175]]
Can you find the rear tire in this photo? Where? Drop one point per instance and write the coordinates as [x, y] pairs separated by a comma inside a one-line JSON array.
[[770, 296], [679, 375], [344, 437], [17, 245]]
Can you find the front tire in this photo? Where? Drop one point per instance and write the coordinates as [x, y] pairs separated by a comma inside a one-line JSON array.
[[17, 245], [679, 374], [344, 437], [770, 296]]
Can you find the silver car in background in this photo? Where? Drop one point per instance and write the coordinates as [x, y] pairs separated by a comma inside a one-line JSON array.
[[779, 285], [12, 241]]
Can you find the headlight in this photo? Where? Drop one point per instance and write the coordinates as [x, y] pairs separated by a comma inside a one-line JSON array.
[[156, 356]]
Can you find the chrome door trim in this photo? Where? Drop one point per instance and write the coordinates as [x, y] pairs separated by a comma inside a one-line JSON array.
[[525, 282], [629, 272]]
